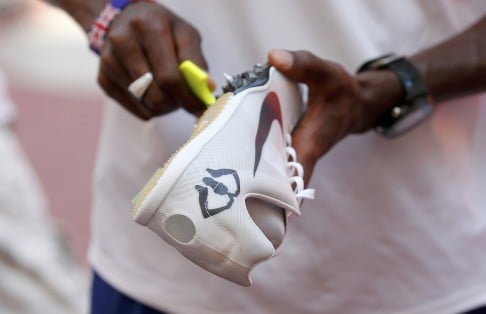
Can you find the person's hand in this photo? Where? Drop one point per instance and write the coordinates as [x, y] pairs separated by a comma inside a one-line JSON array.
[[146, 37], [338, 103]]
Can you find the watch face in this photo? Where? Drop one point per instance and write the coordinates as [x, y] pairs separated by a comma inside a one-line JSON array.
[[409, 120]]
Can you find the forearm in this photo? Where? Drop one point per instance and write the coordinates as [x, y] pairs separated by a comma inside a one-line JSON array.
[[83, 11], [453, 68], [456, 67]]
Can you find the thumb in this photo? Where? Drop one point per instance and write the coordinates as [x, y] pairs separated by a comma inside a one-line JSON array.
[[283, 60], [296, 65], [303, 66]]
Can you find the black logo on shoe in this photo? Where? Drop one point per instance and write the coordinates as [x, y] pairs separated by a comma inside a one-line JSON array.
[[218, 195], [269, 112]]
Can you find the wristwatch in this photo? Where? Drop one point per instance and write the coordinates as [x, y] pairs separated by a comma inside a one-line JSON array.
[[413, 108]]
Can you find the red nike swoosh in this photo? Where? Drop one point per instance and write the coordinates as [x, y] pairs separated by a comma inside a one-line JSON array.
[[269, 112]]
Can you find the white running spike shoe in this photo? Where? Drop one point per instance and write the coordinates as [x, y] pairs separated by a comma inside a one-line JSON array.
[[222, 200]]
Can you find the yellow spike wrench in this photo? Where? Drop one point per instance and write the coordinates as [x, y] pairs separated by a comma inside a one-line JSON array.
[[199, 82]]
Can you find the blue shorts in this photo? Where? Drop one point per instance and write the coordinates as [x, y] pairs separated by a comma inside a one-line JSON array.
[[107, 300]]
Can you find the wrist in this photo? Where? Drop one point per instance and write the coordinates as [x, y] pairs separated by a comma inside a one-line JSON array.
[[413, 107], [98, 29]]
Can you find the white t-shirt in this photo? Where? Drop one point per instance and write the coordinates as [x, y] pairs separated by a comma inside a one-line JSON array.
[[398, 226]]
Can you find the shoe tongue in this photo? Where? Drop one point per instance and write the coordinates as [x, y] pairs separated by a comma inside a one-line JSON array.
[[270, 218]]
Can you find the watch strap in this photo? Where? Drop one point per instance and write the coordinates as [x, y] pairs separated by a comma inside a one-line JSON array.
[[408, 75], [414, 96]]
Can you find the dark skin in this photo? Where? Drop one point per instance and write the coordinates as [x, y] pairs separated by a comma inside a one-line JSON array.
[[160, 47], [144, 37], [341, 104], [338, 103], [147, 36]]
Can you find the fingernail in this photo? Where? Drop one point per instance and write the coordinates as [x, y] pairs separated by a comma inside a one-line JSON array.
[[282, 58], [211, 84]]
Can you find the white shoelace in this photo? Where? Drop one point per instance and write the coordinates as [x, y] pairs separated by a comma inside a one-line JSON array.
[[296, 172]]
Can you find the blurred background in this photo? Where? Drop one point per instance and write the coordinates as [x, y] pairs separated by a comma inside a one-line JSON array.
[[52, 81]]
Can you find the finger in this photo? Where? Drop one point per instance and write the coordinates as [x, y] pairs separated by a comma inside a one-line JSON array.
[[121, 96], [211, 84], [158, 45], [315, 134], [305, 67], [122, 42], [126, 46], [301, 137], [112, 67], [188, 43], [166, 50], [158, 102], [308, 145]]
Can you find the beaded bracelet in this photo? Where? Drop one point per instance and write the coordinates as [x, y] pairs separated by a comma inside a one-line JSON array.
[[97, 31]]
